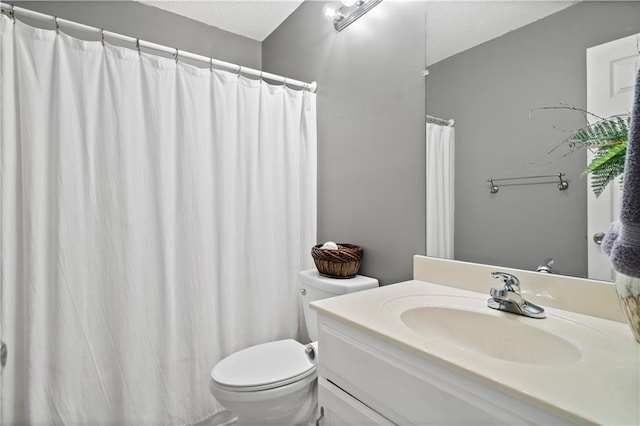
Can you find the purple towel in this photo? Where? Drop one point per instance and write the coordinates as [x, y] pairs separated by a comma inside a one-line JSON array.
[[622, 242]]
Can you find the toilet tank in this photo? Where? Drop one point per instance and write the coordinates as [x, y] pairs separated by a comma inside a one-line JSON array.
[[314, 286]]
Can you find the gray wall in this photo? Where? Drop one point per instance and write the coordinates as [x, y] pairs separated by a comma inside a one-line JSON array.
[[155, 25], [490, 90], [371, 178], [371, 128]]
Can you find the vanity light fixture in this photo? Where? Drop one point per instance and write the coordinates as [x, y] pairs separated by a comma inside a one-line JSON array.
[[342, 15]]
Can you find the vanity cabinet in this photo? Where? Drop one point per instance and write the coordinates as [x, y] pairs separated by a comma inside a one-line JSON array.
[[338, 408], [365, 379]]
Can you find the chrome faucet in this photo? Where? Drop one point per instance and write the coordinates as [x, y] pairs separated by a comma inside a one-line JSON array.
[[509, 299]]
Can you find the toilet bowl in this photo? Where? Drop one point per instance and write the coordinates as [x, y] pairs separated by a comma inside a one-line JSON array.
[[271, 383], [274, 383]]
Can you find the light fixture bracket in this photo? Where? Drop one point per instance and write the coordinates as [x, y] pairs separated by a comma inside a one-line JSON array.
[[351, 14]]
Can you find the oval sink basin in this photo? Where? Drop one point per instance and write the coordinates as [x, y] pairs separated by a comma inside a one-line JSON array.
[[505, 336]]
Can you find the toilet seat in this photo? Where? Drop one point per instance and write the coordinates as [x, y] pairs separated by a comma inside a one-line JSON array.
[[261, 367]]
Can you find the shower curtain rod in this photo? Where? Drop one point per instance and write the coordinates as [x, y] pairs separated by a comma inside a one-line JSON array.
[[440, 121], [12, 11]]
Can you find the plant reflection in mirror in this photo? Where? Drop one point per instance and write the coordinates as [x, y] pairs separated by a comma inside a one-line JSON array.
[[607, 138]]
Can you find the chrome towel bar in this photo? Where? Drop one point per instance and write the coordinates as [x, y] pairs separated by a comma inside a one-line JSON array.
[[562, 185]]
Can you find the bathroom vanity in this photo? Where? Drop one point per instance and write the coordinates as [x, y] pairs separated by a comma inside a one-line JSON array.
[[430, 351]]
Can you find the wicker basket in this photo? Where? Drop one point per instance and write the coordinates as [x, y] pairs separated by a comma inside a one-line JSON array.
[[341, 263]]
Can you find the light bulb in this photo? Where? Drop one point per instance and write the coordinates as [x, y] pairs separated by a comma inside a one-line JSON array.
[[331, 12], [351, 3]]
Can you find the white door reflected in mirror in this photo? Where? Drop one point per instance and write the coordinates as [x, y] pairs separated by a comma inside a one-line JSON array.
[[611, 74]]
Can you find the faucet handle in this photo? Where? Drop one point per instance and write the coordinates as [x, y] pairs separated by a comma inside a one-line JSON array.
[[511, 282], [546, 266]]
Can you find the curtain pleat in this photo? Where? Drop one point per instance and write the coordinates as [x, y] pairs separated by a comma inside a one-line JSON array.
[[154, 220]]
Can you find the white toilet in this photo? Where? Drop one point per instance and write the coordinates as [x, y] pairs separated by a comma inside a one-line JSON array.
[[274, 383]]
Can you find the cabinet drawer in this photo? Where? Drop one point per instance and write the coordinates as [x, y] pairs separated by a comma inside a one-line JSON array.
[[340, 408]]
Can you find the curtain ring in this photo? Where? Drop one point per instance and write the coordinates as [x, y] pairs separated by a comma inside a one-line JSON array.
[[12, 13], [102, 35], [211, 64], [284, 82], [55, 19], [177, 55], [138, 46], [239, 70]]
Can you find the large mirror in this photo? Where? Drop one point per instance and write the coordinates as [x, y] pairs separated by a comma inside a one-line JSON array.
[[493, 89]]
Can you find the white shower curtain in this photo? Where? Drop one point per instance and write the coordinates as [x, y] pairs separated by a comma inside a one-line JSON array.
[[154, 220], [440, 190]]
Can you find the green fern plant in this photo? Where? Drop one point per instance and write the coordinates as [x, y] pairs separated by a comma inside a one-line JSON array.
[[608, 137]]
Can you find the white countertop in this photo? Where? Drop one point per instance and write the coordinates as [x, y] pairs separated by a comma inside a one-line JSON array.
[[601, 387]]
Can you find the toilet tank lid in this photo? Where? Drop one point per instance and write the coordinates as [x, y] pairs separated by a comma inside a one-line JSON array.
[[312, 278]]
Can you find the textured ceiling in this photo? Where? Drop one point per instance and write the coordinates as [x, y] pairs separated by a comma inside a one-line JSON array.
[[253, 19], [455, 26], [452, 25]]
